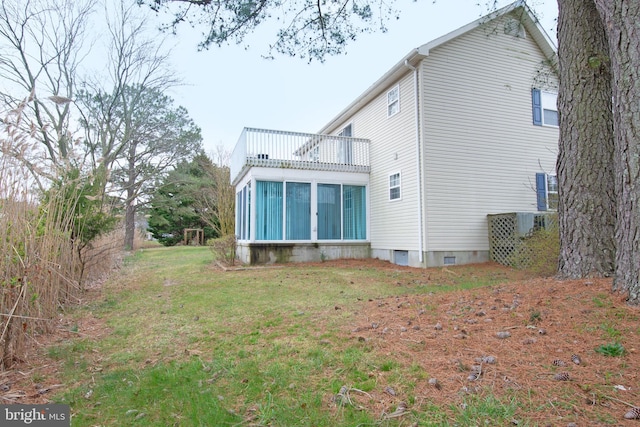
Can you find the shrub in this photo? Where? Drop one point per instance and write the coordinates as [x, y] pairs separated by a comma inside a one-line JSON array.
[[539, 250], [224, 248]]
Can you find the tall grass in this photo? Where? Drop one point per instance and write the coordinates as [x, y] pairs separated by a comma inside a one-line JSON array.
[[41, 269], [37, 262]]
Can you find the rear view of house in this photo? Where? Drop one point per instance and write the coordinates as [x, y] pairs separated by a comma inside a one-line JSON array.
[[460, 128]]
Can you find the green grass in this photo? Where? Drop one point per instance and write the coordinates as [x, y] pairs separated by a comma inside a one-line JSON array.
[[610, 330], [190, 346], [477, 410], [614, 349]]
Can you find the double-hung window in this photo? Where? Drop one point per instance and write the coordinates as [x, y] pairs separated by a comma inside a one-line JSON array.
[[393, 101], [394, 186], [545, 108], [546, 191]]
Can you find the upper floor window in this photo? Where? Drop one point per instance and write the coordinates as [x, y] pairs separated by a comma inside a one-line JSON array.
[[393, 101], [347, 131], [394, 186], [545, 108]]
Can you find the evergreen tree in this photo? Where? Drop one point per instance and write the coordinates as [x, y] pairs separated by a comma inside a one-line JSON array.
[[174, 206]]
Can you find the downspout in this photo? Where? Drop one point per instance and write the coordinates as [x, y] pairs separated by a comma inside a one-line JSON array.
[[418, 159]]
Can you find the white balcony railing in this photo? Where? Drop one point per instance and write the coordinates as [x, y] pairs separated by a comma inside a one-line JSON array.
[[294, 150]]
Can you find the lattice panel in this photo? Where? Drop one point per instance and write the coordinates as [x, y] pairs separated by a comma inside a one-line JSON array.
[[502, 237]]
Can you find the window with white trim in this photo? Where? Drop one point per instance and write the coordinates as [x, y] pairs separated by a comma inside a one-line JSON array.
[[545, 108], [283, 211], [393, 101], [394, 186], [345, 147], [547, 191], [347, 131]]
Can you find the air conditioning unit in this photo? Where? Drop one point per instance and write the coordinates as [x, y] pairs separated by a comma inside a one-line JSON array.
[[524, 223], [528, 222]]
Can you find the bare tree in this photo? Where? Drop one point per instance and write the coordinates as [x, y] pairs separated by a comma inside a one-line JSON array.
[[115, 107], [134, 58], [41, 46], [217, 202]]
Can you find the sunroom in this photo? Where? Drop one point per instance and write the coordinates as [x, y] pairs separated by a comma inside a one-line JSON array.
[[300, 197]]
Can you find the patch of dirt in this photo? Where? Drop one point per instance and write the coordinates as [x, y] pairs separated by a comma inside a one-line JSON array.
[[35, 378], [535, 336]]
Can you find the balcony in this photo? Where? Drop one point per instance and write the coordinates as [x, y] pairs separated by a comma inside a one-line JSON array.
[[294, 150]]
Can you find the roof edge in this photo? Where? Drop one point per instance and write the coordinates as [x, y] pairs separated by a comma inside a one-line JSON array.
[[528, 19], [413, 57]]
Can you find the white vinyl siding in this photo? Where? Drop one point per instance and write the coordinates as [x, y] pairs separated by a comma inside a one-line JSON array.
[[393, 148], [481, 151]]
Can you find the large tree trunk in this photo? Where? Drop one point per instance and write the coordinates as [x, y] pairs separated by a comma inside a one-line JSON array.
[[621, 20], [129, 224], [130, 212], [585, 162]]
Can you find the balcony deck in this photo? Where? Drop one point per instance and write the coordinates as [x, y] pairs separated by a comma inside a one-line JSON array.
[[295, 150]]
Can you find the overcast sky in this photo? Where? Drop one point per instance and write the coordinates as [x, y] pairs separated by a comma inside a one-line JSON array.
[[232, 87]]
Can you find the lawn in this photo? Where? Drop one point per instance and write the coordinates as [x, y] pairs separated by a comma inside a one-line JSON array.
[[171, 340]]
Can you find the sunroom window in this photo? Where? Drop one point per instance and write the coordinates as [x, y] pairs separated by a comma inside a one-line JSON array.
[[298, 220], [269, 207], [243, 207], [329, 208], [355, 212], [284, 211]]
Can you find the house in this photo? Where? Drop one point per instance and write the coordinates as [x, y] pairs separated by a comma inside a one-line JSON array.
[[460, 128]]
